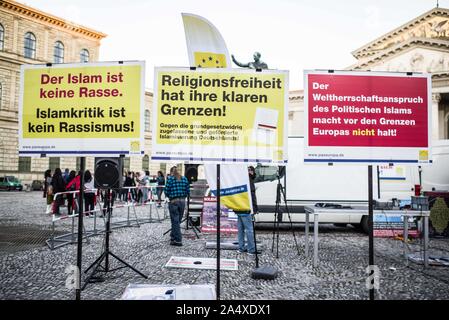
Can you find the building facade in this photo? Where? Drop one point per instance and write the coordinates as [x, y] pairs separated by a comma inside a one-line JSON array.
[[29, 36], [420, 45]]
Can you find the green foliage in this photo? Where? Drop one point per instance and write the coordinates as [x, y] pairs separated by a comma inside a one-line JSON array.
[[439, 215]]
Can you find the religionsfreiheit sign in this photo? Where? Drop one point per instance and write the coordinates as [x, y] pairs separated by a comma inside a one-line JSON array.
[[220, 115], [367, 117], [82, 109]]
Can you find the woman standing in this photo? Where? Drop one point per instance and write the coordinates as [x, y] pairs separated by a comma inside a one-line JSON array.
[[48, 195], [70, 187], [177, 190], [160, 187], [89, 193], [58, 184]]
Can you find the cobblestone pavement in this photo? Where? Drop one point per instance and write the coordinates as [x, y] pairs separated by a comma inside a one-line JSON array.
[[39, 273]]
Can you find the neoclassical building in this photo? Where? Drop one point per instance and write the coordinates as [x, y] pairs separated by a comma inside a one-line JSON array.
[[30, 36], [420, 45]]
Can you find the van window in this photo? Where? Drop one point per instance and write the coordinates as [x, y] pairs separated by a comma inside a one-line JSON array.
[[2, 179], [268, 173]]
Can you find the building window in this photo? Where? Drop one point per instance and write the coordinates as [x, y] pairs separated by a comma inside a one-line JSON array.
[[147, 120], [78, 164], [24, 164], [54, 163], [146, 163], [84, 55], [2, 37], [30, 46], [58, 52], [127, 164]]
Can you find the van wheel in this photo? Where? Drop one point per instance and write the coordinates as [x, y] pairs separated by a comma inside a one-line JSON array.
[[364, 224]]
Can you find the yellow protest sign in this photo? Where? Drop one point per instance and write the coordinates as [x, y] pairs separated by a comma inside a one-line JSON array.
[[220, 115], [94, 108]]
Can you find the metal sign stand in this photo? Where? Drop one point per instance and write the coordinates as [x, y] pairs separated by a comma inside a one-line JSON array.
[[370, 227], [218, 232], [80, 227]]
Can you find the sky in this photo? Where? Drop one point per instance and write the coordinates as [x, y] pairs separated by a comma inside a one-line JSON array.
[[291, 35]]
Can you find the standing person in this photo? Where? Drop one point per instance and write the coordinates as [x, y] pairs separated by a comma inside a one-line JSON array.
[[245, 223], [47, 185], [70, 187], [252, 178], [146, 183], [177, 189], [74, 184], [160, 187], [66, 175], [58, 184], [129, 182], [89, 193], [139, 193], [123, 194]]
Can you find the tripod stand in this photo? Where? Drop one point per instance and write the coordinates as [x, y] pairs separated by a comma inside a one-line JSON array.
[[280, 191], [97, 264], [187, 220]]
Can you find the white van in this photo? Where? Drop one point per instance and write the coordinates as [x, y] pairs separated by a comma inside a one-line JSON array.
[[307, 184]]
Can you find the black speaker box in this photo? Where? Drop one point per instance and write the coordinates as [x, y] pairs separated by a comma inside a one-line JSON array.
[[191, 172], [108, 173]]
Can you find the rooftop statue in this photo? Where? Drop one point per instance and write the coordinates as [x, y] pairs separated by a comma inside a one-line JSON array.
[[256, 64]]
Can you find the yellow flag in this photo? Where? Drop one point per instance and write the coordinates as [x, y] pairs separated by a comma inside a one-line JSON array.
[[209, 60]]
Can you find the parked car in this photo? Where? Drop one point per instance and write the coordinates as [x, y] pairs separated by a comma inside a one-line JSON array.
[[10, 183], [37, 185]]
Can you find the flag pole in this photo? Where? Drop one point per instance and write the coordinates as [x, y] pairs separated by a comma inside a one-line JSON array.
[[218, 232]]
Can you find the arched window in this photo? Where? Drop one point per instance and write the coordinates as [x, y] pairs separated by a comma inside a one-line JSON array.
[[30, 46], [146, 163], [2, 37], [147, 120], [58, 52], [84, 55]]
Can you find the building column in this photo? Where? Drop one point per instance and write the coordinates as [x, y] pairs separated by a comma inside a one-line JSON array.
[[436, 98]]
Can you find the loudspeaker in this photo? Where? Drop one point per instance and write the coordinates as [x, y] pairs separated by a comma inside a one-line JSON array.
[[108, 173], [191, 172]]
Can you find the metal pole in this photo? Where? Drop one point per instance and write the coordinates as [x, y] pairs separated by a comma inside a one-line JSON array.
[[378, 183], [420, 175], [80, 227], [370, 225], [218, 232]]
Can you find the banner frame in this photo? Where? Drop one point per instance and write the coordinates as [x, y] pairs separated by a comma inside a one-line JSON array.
[[366, 161], [83, 153]]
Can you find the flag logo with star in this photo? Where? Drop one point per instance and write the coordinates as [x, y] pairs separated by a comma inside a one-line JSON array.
[[209, 60]]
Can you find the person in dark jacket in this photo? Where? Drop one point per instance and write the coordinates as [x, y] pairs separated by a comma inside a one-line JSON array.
[[160, 187], [47, 185], [129, 182], [58, 184], [252, 177], [70, 204], [177, 189]]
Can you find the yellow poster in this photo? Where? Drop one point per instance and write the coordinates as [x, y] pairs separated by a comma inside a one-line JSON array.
[[92, 108], [220, 115]]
